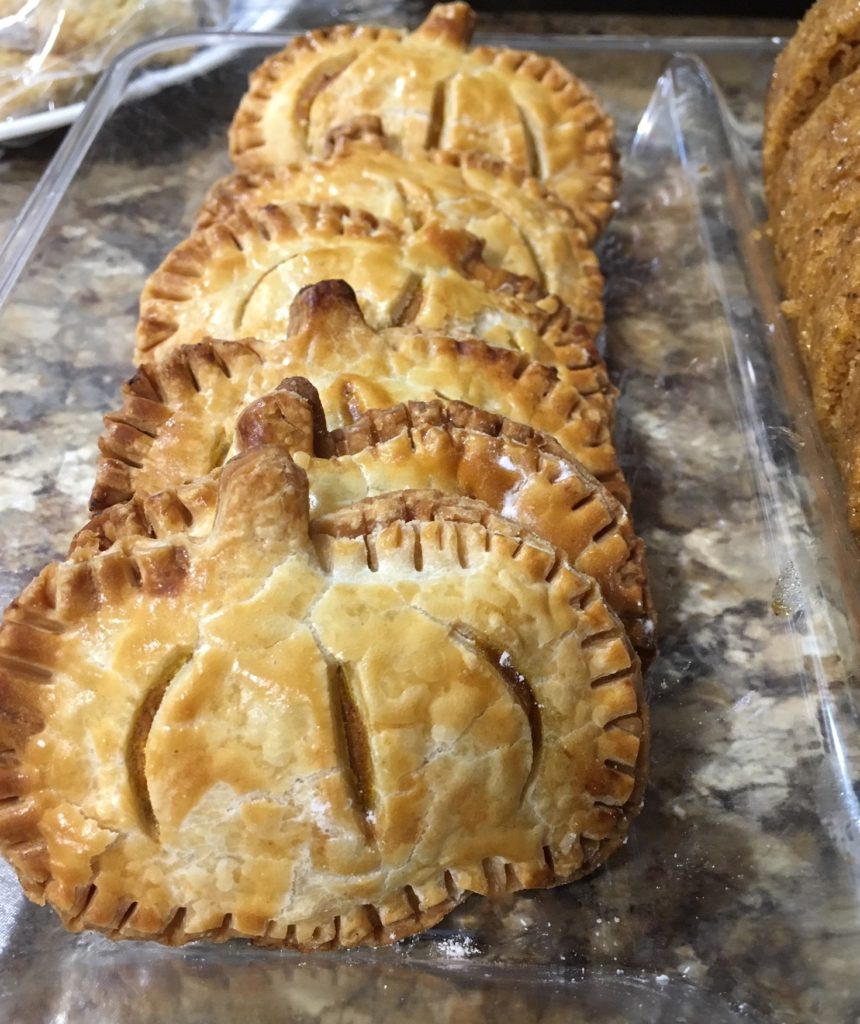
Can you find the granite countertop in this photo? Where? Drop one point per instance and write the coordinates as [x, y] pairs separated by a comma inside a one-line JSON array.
[[735, 899]]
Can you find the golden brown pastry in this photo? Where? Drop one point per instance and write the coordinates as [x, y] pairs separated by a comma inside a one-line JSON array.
[[815, 231], [180, 413], [815, 189], [815, 234], [845, 431], [238, 278], [448, 446], [825, 48], [525, 229], [311, 737], [431, 92]]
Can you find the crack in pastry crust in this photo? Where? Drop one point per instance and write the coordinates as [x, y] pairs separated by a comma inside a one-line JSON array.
[[526, 230], [451, 446], [180, 414], [524, 109], [256, 828], [238, 277]]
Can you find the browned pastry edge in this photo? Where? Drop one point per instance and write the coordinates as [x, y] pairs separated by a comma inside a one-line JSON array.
[[571, 337], [152, 396], [365, 132], [244, 134], [63, 592], [171, 282], [292, 416], [571, 99], [157, 390], [573, 102]]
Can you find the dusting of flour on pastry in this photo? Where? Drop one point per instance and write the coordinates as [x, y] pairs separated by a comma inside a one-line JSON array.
[[321, 814]]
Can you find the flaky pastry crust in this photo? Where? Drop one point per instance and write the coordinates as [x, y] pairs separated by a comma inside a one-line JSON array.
[[311, 736], [449, 446], [431, 92], [180, 413], [239, 276], [526, 229]]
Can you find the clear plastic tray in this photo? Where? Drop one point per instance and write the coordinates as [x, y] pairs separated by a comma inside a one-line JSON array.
[[736, 897]]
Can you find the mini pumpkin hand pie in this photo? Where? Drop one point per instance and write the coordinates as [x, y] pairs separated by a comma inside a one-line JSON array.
[[448, 446], [431, 92], [180, 413], [312, 736], [238, 277], [526, 230]]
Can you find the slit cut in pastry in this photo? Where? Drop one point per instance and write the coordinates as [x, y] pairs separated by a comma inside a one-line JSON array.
[[238, 277], [179, 414], [526, 229], [312, 735], [431, 92], [824, 50], [450, 447]]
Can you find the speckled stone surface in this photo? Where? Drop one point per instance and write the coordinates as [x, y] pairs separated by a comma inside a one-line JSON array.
[[735, 898]]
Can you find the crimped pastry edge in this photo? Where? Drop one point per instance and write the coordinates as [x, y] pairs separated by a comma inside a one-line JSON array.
[[572, 102], [296, 410], [75, 585]]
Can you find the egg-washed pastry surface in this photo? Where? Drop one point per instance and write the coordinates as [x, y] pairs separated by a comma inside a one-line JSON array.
[[448, 446], [525, 229], [431, 92], [181, 411], [312, 736], [238, 278], [825, 48]]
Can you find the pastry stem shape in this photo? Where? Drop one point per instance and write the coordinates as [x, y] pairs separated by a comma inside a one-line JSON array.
[[179, 416], [238, 277], [335, 723], [526, 229], [450, 446], [431, 92]]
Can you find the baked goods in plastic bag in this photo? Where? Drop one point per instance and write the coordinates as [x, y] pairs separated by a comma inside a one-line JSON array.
[[52, 51]]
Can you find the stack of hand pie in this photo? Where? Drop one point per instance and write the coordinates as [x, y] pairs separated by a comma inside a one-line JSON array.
[[355, 629], [811, 151]]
